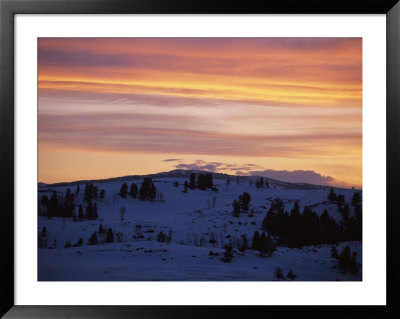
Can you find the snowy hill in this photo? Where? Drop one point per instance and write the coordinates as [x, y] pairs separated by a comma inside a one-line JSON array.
[[199, 224]]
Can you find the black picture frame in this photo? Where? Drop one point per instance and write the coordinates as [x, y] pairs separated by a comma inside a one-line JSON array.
[[8, 8]]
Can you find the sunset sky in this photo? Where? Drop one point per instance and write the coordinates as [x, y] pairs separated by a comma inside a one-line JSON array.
[[285, 108]]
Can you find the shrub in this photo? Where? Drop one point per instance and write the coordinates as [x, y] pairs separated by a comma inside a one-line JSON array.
[[67, 244], [278, 273], [161, 237], [227, 254], [93, 239], [291, 275]]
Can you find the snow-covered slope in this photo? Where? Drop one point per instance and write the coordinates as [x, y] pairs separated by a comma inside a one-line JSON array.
[[198, 221]]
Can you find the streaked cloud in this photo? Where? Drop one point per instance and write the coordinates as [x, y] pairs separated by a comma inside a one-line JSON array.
[[181, 100], [215, 166]]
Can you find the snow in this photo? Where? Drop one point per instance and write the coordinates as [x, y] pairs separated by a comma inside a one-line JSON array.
[[192, 221]]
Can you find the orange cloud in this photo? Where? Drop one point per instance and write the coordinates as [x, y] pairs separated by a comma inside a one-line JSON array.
[[263, 97]]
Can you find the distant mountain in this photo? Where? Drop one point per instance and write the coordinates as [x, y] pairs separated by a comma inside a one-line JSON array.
[[181, 173]]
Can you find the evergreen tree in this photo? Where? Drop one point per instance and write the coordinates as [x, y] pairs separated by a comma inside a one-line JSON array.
[[291, 275], [266, 246], [95, 215], [80, 242], [227, 254], [201, 182], [344, 259], [356, 200], [255, 241], [340, 200], [334, 253], [354, 266], [124, 190], [81, 215], [52, 206], [93, 239], [358, 221], [67, 244], [245, 243], [192, 183], [153, 192], [209, 180], [134, 190], [332, 195], [246, 201], [185, 187], [161, 237], [102, 193], [236, 208], [278, 273], [44, 232], [44, 200], [90, 192], [147, 190], [110, 236], [91, 211], [68, 195]]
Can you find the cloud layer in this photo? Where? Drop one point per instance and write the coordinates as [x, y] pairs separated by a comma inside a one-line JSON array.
[[260, 100], [297, 176]]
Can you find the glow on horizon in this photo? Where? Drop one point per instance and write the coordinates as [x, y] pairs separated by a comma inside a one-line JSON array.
[[113, 107]]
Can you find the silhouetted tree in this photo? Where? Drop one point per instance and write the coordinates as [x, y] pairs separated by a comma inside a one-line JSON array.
[[185, 187], [93, 239], [246, 201], [161, 237], [236, 208], [291, 275], [102, 194], [244, 244], [90, 192], [344, 259], [110, 236], [278, 273], [91, 211], [334, 253], [52, 205], [255, 241], [147, 190], [192, 183], [153, 192], [123, 191], [80, 242], [265, 245], [354, 266], [227, 254], [332, 195], [356, 200], [81, 215], [133, 190]]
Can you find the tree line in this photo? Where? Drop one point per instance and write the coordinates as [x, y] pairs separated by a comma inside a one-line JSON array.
[[297, 229]]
